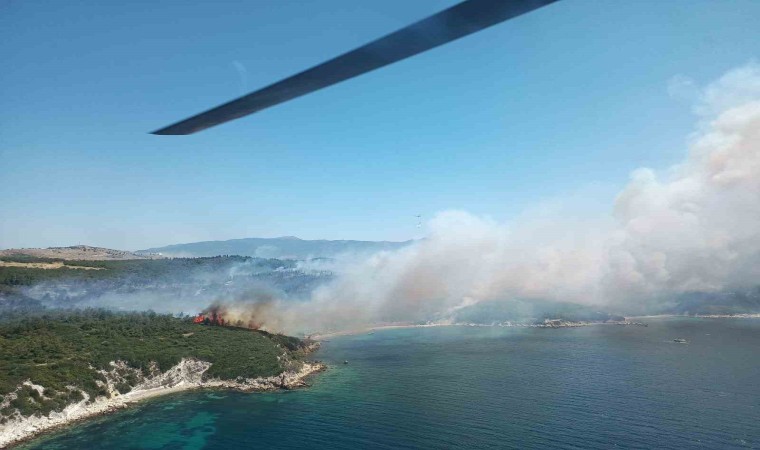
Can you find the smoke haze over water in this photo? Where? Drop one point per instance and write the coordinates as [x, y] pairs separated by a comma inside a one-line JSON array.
[[695, 227]]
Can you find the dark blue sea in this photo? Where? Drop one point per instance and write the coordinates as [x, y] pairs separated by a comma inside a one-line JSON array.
[[596, 387]]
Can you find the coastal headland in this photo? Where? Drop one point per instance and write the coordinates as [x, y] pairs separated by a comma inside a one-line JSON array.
[[61, 369]]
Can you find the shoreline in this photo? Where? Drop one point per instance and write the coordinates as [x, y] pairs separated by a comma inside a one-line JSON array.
[[629, 320], [700, 316], [369, 329], [186, 376], [322, 336]]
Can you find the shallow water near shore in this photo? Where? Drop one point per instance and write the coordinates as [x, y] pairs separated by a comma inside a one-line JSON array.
[[477, 387]]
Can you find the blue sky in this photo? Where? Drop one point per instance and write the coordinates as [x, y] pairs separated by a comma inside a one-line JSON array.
[[566, 100]]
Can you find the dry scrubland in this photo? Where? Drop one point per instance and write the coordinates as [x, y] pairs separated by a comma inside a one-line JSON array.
[[75, 253]]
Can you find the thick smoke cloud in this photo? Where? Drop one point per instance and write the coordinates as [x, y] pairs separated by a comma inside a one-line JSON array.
[[698, 229], [695, 227], [692, 228]]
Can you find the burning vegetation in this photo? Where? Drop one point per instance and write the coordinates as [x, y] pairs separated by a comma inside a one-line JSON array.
[[233, 315], [209, 319], [253, 316]]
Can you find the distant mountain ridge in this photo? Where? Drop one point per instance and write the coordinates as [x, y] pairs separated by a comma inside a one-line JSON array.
[[286, 247]]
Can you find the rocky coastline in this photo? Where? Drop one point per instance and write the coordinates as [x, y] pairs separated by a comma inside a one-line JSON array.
[[187, 375]]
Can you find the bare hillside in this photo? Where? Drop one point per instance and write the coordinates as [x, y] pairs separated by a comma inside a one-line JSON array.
[[76, 252]]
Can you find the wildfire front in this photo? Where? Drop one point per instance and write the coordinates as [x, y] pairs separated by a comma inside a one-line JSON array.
[[209, 318], [237, 315]]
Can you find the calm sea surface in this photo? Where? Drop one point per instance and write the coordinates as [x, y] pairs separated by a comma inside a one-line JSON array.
[[457, 387]]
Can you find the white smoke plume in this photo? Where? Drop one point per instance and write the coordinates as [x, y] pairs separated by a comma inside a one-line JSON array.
[[692, 228], [695, 227]]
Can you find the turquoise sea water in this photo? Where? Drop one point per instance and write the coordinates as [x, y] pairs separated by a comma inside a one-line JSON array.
[[459, 387]]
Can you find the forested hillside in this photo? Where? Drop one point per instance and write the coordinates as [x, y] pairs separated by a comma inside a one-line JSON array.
[[65, 352]]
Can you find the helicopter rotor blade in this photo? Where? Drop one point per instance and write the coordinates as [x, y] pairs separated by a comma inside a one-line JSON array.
[[460, 20]]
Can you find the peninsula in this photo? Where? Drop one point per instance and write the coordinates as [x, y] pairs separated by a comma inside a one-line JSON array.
[[64, 367]]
